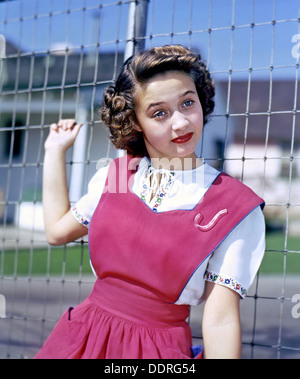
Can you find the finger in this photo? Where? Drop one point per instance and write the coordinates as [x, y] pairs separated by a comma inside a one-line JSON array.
[[54, 127], [66, 124], [70, 124], [76, 129]]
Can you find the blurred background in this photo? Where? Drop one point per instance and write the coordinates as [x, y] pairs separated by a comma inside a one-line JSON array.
[[56, 58]]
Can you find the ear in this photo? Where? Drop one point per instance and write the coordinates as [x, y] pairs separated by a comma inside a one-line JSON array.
[[137, 126]]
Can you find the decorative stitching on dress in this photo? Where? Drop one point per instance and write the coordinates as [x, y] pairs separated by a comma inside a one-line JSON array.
[[79, 217], [227, 282], [167, 181]]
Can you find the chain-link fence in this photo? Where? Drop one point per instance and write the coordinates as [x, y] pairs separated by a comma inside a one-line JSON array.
[[56, 58]]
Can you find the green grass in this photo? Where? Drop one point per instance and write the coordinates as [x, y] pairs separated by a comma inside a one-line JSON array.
[[276, 255], [67, 260], [71, 260]]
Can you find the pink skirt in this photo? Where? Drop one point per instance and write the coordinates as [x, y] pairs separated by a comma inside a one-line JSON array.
[[113, 323]]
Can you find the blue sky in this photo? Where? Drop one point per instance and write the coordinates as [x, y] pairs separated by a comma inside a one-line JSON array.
[[258, 46]]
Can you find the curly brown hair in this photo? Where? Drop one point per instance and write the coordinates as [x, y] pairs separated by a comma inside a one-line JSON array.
[[118, 109]]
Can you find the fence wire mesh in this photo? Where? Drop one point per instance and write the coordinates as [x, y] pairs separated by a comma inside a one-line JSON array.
[[57, 56]]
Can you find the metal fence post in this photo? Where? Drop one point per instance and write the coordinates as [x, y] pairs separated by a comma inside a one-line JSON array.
[[2, 57], [136, 27], [2, 306], [141, 24]]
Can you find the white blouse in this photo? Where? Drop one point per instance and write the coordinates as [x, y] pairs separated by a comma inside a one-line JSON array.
[[235, 261]]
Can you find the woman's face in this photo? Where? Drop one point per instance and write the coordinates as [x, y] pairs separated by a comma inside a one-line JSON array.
[[170, 116]]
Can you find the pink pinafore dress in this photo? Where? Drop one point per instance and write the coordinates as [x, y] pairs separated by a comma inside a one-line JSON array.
[[143, 261]]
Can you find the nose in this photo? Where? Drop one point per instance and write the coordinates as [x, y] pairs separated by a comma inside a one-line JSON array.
[[179, 121]]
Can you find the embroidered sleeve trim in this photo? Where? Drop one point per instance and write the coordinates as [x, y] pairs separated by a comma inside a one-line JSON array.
[[227, 282], [79, 217]]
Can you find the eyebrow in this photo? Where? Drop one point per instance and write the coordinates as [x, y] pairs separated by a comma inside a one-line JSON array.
[[153, 105]]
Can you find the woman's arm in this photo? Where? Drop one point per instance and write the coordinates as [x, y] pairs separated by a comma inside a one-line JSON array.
[[221, 323], [60, 225]]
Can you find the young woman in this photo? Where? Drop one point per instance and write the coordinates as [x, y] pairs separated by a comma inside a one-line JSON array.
[[166, 230]]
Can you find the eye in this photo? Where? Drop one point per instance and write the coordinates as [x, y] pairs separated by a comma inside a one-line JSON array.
[[159, 114], [188, 103]]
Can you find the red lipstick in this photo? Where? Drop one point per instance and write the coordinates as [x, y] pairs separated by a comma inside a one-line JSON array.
[[183, 139]]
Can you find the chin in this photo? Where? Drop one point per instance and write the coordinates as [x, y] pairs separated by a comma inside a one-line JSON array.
[[183, 152]]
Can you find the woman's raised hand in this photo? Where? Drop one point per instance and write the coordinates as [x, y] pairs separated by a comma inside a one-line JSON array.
[[60, 225], [62, 135]]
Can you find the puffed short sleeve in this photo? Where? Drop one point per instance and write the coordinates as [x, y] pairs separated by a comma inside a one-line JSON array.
[[236, 260], [84, 209]]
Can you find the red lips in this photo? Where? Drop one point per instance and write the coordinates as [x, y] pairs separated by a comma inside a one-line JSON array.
[[183, 139]]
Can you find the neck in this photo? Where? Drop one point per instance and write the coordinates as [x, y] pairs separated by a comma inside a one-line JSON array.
[[177, 164]]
